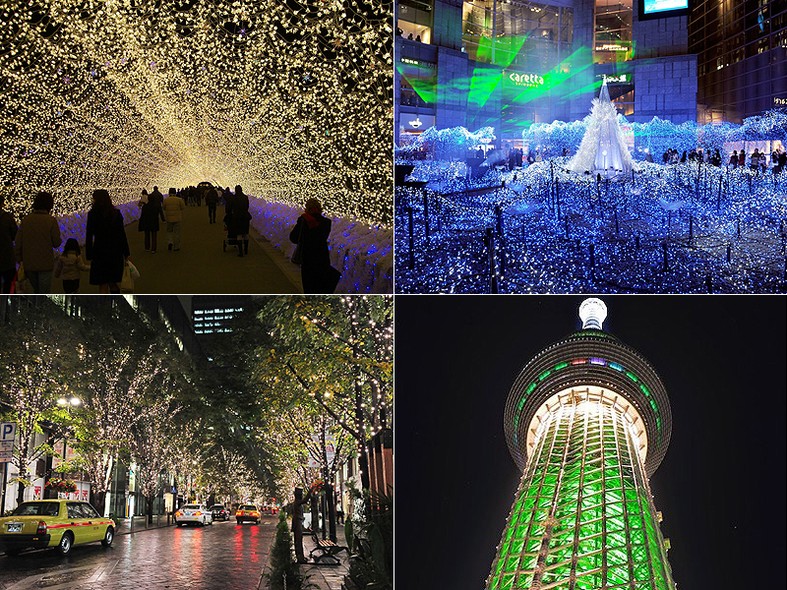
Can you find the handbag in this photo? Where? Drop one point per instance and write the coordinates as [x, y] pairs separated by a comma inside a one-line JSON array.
[[297, 256], [22, 285], [127, 282]]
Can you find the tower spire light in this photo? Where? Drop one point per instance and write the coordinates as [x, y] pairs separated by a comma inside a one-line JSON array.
[[592, 312]]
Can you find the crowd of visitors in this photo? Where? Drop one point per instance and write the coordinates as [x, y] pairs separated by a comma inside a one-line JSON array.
[[30, 254], [759, 161]]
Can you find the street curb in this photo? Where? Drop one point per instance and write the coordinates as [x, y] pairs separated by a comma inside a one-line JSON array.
[[127, 531]]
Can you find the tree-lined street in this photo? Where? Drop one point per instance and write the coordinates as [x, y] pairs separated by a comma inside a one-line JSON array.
[[123, 403]]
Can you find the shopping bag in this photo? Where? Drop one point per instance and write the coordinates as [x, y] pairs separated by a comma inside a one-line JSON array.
[[134, 272], [127, 283], [297, 256]]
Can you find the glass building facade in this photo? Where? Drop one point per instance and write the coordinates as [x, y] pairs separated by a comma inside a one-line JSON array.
[[741, 48], [501, 67]]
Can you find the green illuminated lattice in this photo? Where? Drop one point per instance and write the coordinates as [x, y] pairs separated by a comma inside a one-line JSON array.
[[583, 518]]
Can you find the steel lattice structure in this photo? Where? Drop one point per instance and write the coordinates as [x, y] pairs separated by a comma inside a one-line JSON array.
[[588, 421]]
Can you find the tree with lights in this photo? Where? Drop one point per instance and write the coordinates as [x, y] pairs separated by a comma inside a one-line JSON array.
[[151, 441], [124, 370], [603, 148], [334, 354], [33, 376]]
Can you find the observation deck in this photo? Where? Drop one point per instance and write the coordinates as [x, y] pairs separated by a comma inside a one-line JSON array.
[[590, 360]]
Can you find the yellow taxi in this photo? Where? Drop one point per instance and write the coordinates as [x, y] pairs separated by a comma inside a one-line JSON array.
[[54, 523], [247, 512]]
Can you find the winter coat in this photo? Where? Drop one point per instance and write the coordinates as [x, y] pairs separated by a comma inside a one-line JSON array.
[[150, 215], [238, 216], [106, 246], [38, 234], [8, 229], [69, 266], [173, 209], [312, 233]]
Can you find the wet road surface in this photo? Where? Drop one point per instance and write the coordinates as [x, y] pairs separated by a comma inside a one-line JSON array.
[[224, 556]]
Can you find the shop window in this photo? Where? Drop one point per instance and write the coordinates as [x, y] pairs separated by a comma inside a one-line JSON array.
[[414, 23]]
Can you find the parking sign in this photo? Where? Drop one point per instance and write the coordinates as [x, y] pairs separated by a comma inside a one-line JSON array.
[[7, 436]]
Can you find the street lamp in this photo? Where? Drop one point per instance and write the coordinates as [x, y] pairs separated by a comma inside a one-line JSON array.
[[72, 401]]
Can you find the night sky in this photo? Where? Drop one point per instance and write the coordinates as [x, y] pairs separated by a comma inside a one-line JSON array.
[[721, 486]]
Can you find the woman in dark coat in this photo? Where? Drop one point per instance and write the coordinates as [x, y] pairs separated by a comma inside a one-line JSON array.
[[149, 220], [237, 220], [8, 229], [311, 232], [106, 245]]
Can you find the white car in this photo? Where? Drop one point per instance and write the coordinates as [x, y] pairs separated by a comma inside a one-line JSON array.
[[195, 514]]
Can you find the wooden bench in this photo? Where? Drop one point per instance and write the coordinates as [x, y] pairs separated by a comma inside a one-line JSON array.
[[325, 549]]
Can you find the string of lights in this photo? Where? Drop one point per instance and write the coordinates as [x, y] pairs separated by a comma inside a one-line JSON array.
[[685, 228], [291, 99]]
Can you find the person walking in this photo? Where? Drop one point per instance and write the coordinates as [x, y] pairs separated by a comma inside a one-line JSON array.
[[311, 232], [149, 220], [106, 245], [8, 229], [38, 235], [70, 265], [173, 213], [156, 195], [238, 221], [212, 201]]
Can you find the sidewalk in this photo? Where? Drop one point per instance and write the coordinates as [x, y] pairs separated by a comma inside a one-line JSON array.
[[202, 265], [325, 577]]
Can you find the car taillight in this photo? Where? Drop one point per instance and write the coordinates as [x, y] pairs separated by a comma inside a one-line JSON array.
[[239, 513], [198, 513], [178, 513], [255, 513], [41, 530]]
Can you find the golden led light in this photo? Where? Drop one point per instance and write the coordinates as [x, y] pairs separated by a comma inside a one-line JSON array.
[[289, 99]]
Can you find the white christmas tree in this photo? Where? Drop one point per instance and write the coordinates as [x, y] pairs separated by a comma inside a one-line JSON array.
[[603, 149]]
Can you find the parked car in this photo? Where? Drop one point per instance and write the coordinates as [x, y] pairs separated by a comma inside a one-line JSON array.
[[193, 514], [247, 512], [54, 523], [219, 512]]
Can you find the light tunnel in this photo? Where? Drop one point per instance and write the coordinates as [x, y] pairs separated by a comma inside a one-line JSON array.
[[289, 99]]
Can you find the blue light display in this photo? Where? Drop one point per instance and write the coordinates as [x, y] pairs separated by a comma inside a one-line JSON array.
[[682, 228]]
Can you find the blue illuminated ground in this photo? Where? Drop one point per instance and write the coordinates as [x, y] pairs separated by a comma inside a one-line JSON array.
[[551, 231]]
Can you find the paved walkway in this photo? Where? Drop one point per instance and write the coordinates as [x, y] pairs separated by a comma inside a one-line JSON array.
[[202, 266], [326, 577]]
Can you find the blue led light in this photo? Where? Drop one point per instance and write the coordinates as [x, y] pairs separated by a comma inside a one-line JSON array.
[[684, 228]]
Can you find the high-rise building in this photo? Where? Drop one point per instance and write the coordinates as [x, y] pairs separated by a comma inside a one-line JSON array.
[[741, 49], [213, 314], [510, 63], [588, 422]]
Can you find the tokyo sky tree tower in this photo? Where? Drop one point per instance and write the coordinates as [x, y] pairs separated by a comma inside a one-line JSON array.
[[587, 421]]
